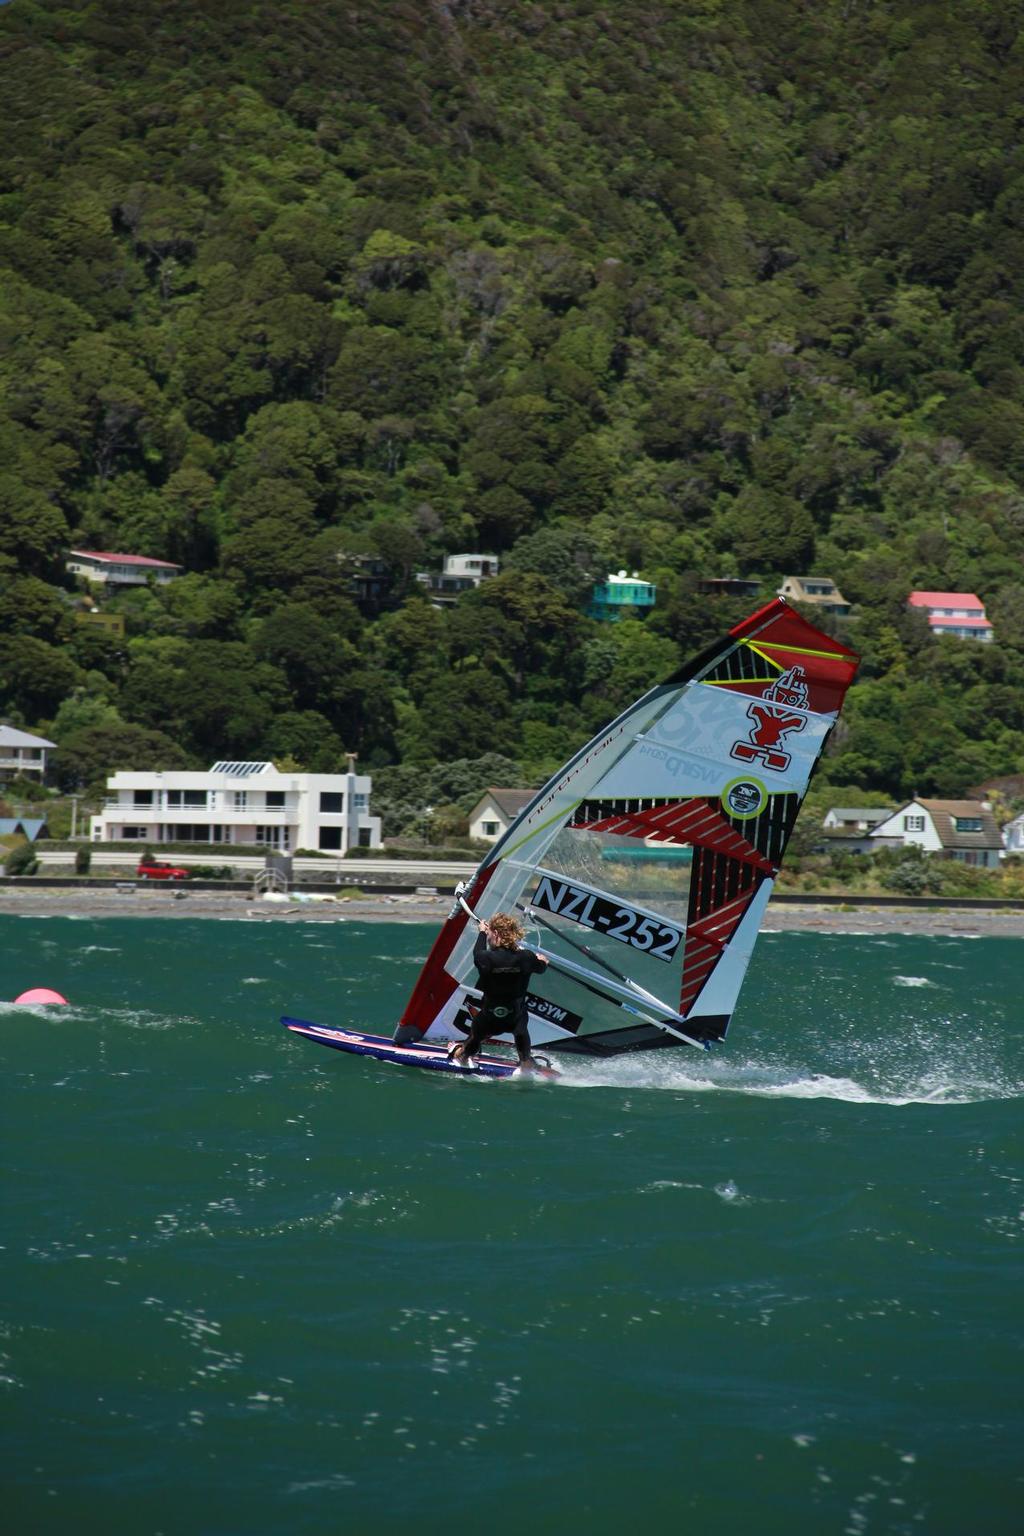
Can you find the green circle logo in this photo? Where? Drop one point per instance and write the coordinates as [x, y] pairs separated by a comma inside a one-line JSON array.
[[744, 798]]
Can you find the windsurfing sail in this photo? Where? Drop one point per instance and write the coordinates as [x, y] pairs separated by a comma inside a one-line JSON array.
[[643, 952]]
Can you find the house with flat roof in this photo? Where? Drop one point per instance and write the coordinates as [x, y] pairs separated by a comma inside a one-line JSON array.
[[108, 569], [22, 753], [240, 805], [953, 613], [819, 591], [495, 812], [730, 586], [964, 830], [621, 596], [461, 573], [107, 623]]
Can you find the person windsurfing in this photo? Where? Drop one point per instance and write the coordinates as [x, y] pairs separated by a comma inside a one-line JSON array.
[[504, 968]]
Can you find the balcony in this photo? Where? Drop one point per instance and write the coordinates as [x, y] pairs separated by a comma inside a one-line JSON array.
[[23, 764], [125, 811]]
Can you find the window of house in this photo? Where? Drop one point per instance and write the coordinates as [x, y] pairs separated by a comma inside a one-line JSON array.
[[330, 838], [913, 823], [967, 823], [129, 834], [362, 802], [365, 837], [195, 799], [489, 828], [142, 797], [241, 799], [275, 799], [331, 803]]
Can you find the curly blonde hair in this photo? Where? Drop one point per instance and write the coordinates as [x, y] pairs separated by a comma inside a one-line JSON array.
[[504, 930]]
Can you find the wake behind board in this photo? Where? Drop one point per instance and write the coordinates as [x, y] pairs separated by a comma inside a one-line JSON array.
[[424, 1054]]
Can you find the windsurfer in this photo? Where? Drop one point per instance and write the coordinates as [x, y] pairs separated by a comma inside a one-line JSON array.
[[504, 969]]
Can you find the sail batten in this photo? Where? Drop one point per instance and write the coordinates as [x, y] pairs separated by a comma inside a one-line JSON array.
[[711, 764]]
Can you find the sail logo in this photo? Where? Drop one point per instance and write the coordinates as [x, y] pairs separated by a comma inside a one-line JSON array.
[[745, 798], [675, 764], [774, 719]]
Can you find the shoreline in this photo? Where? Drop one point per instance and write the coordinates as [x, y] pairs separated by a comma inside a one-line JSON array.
[[419, 907]]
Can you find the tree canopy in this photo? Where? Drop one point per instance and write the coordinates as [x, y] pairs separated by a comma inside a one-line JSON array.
[[699, 290]]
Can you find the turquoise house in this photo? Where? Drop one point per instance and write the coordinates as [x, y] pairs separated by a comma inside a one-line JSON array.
[[622, 597]]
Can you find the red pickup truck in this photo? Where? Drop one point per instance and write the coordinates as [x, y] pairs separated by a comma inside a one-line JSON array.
[[156, 869]]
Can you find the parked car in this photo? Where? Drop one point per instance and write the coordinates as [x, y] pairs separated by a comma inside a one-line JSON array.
[[156, 869]]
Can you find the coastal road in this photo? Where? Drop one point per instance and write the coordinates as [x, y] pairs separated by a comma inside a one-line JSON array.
[[344, 871]]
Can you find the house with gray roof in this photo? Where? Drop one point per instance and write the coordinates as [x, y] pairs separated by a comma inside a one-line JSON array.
[[855, 818], [847, 829], [22, 753], [495, 812]]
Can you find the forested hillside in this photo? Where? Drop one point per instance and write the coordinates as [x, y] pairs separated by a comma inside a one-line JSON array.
[[690, 288]]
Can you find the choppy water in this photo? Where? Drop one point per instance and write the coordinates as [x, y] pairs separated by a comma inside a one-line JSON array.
[[250, 1286]]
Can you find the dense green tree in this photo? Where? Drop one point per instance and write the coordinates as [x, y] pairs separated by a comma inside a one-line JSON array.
[[703, 303], [88, 755]]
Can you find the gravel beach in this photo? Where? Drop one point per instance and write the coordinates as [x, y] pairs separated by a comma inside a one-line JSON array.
[[419, 907]]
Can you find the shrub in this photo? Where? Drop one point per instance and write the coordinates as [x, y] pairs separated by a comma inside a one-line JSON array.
[[21, 860], [909, 877], [83, 860]]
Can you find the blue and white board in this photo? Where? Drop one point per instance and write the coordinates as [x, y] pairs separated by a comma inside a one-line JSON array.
[[420, 1055]]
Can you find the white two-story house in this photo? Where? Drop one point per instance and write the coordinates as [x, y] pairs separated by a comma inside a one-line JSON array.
[[240, 805]]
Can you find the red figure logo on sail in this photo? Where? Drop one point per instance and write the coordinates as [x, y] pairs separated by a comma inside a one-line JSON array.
[[773, 720]]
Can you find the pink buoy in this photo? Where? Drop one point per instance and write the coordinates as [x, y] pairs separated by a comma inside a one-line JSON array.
[[40, 995]]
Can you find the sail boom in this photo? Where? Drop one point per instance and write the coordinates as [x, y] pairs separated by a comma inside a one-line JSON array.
[[626, 989]]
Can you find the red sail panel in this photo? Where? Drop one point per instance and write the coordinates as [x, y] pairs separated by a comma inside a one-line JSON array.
[[785, 638], [706, 938], [697, 821], [435, 985]]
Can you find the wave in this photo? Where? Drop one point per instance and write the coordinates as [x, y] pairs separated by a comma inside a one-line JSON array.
[[769, 1081]]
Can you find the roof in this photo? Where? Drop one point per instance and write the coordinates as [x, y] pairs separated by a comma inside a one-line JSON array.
[[945, 600], [942, 813], [241, 770], [30, 826], [10, 737], [833, 593], [1010, 784], [511, 801], [954, 621], [106, 554], [860, 813], [623, 578]]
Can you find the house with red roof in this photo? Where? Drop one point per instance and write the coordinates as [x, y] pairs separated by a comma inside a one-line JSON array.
[[107, 568], [954, 613]]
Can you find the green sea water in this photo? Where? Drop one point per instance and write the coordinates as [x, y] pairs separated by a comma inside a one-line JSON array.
[[253, 1286]]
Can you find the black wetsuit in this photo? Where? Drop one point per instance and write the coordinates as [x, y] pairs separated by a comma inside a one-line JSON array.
[[504, 977]]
